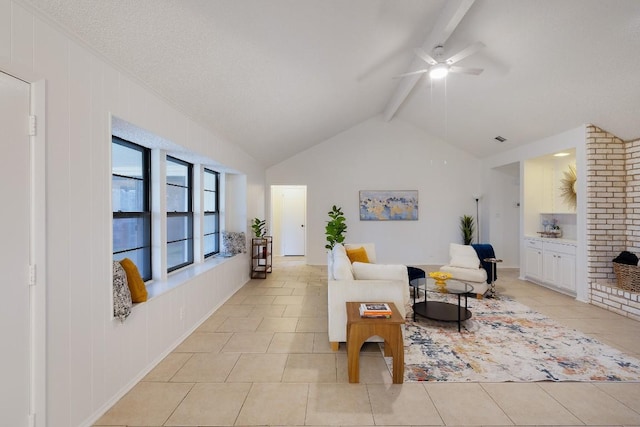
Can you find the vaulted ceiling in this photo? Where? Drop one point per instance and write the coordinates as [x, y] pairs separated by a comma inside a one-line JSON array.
[[279, 76]]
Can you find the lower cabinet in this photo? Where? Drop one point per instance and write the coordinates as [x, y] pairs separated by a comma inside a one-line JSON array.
[[533, 259], [551, 263], [566, 277]]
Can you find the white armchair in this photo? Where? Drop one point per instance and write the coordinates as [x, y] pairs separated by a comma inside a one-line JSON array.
[[464, 265], [361, 282]]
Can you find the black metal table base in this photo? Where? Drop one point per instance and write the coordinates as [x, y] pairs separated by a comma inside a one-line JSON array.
[[443, 311]]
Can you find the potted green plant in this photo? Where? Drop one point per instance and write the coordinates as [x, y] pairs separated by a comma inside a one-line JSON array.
[[467, 227], [336, 227], [258, 226]]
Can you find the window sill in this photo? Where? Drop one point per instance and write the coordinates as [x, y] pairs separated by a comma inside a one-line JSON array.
[[176, 278]]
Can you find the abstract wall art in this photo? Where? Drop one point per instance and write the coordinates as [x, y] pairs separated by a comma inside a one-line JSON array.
[[389, 205]]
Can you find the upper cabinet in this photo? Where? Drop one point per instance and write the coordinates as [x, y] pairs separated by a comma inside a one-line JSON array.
[[549, 192]]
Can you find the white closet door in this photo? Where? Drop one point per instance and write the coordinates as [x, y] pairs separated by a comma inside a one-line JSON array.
[[14, 255], [294, 213]]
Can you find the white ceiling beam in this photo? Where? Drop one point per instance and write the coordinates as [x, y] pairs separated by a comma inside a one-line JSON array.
[[450, 16]]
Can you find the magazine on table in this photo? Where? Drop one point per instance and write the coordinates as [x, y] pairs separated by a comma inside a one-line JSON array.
[[375, 309]]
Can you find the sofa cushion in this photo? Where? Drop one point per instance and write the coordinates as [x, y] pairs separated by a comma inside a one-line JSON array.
[[477, 275], [463, 256], [339, 249], [369, 247], [357, 254], [341, 264], [367, 271]]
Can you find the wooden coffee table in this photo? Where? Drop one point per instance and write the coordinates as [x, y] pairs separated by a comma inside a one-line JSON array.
[[359, 329]]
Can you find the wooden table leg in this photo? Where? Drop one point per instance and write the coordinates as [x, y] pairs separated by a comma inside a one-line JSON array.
[[357, 334], [397, 346], [354, 343], [359, 330]]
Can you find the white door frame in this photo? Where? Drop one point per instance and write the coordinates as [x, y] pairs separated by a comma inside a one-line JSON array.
[[38, 256], [37, 387], [299, 230]]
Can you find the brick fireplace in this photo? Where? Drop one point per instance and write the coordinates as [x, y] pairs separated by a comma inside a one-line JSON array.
[[613, 216]]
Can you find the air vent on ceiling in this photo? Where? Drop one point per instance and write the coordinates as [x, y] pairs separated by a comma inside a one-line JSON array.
[[500, 139]]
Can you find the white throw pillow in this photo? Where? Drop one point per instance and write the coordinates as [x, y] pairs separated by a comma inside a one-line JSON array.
[[341, 264], [368, 271], [339, 249], [463, 256]]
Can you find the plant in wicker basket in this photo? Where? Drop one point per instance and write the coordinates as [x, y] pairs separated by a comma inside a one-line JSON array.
[[627, 277], [627, 271]]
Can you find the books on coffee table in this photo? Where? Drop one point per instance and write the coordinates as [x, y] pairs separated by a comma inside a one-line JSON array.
[[375, 309]]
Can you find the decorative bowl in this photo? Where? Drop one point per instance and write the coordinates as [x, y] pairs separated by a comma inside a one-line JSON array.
[[440, 277]]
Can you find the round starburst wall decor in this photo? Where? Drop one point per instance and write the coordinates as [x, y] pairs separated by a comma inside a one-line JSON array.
[[568, 187]]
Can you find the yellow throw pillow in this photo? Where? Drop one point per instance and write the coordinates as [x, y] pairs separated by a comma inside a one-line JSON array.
[[136, 284], [357, 255]]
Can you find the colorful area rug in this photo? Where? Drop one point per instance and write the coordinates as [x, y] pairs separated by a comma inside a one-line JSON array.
[[508, 341]]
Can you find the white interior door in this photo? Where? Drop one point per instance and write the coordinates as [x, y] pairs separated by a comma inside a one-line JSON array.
[[294, 218], [14, 256]]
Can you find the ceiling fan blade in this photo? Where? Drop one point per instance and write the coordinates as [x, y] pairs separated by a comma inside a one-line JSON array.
[[469, 50], [465, 70], [425, 56], [412, 73]]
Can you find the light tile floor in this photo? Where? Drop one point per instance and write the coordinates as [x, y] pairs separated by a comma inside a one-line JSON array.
[[263, 358]]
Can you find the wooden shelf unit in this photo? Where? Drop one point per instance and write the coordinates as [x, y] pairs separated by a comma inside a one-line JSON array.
[[261, 260]]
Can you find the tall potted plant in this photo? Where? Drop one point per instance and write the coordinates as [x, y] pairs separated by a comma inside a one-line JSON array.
[[336, 227], [467, 227]]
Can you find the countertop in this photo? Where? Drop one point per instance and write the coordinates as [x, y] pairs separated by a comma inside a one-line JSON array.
[[552, 239]]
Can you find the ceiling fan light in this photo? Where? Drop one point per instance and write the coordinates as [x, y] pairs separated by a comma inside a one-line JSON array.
[[439, 71]]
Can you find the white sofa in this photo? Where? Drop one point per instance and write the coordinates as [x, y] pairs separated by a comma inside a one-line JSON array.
[[464, 265], [361, 282]]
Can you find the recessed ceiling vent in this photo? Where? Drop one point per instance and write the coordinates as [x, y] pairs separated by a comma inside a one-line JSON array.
[[500, 139]]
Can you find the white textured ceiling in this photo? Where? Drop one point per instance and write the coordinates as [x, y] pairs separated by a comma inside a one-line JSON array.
[[279, 76]]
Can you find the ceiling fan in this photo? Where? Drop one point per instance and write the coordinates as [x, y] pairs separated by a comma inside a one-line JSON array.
[[440, 67]]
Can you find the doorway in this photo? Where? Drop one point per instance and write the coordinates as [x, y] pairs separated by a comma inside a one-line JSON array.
[[289, 219], [15, 255], [505, 212]]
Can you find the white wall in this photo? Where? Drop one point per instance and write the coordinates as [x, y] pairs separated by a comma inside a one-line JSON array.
[[380, 155], [92, 359], [394, 155]]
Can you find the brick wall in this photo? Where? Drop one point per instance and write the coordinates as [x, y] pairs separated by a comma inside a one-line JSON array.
[[613, 215], [614, 299], [633, 195]]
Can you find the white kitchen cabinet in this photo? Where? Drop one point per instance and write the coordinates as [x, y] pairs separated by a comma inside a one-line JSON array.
[[533, 259], [559, 265], [567, 269], [551, 263], [549, 267]]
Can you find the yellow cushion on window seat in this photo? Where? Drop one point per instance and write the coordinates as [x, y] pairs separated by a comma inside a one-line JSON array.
[[136, 284]]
